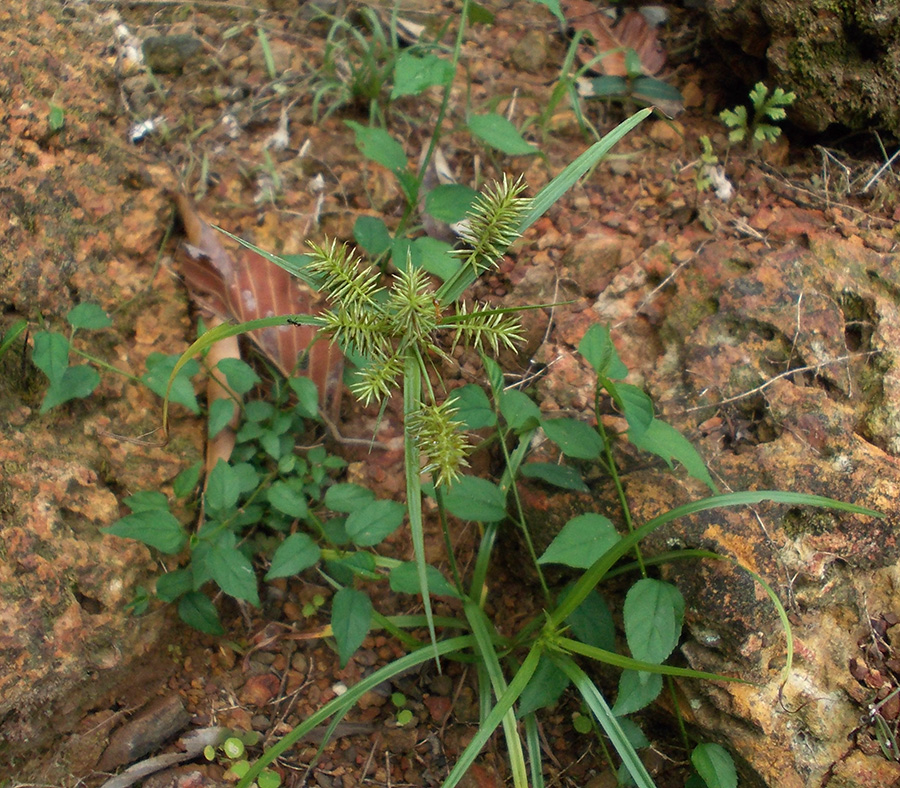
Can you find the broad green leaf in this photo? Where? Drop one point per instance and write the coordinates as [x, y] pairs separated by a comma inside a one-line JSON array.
[[519, 410], [634, 734], [450, 202], [246, 478], [51, 354], [231, 569], [172, 585], [347, 497], [473, 408], [574, 438], [435, 257], [653, 613], [609, 87], [714, 765], [156, 378], [581, 541], [286, 499], [558, 475], [239, 374], [372, 234], [222, 487], [637, 407], [374, 523], [154, 527], [598, 348], [147, 501], [414, 74], [307, 397], [221, 411], [473, 498], [499, 133], [258, 410], [294, 554], [665, 441], [351, 616], [90, 316], [77, 382], [543, 689], [650, 90], [479, 15], [592, 622], [379, 146], [198, 611], [404, 579], [186, 481], [637, 690], [359, 564]]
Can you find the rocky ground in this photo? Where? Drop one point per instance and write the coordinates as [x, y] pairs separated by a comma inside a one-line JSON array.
[[764, 326]]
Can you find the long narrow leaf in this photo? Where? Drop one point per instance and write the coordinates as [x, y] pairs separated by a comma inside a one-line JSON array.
[[602, 565], [627, 663], [482, 630], [412, 402], [340, 704], [454, 287], [492, 721], [533, 741], [600, 709]]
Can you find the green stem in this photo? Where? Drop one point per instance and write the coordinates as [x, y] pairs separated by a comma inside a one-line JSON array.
[[105, 365]]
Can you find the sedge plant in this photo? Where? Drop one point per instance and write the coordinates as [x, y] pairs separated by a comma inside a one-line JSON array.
[[393, 328]]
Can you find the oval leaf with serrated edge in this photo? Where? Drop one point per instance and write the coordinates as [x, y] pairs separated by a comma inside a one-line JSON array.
[[372, 235], [221, 412], [156, 378], [543, 688], [637, 407], [414, 73], [198, 611], [404, 579], [598, 348], [307, 397], [294, 554], [558, 475], [379, 146], [653, 613], [239, 374], [77, 382], [499, 133], [637, 690], [714, 765], [351, 616], [173, 585], [222, 487], [287, 500], [371, 525], [146, 500], [574, 438], [473, 408], [581, 541], [450, 202], [665, 441], [231, 569], [186, 481], [157, 528], [51, 354], [519, 410], [90, 316], [348, 497], [592, 622], [472, 498]]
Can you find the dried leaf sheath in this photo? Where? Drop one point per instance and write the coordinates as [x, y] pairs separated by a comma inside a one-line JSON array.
[[247, 286]]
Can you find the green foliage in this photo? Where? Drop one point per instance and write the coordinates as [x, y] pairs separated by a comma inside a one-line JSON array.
[[767, 110]]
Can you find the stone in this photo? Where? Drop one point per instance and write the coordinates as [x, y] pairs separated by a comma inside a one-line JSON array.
[[530, 54], [170, 54]]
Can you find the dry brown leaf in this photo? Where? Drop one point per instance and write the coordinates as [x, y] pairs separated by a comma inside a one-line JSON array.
[[632, 31], [246, 286]]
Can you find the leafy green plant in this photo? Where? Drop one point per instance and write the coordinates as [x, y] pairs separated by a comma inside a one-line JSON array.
[[394, 330], [635, 87], [232, 754], [767, 109]]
